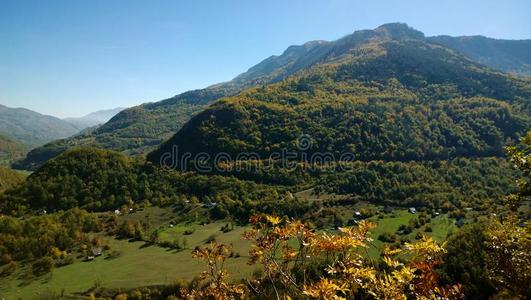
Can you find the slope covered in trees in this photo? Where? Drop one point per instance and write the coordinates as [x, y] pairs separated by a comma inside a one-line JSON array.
[[102, 180], [9, 178], [44, 240], [140, 129], [423, 123], [392, 100], [386, 95]]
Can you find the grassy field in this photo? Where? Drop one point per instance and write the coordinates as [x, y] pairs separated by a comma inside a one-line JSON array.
[[141, 265], [202, 233], [441, 226], [136, 266]]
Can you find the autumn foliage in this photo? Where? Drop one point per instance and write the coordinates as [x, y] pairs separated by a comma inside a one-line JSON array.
[[298, 262]]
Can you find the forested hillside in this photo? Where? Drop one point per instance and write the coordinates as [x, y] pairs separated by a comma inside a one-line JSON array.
[[406, 110], [10, 178], [384, 95], [140, 129], [335, 169], [393, 100], [102, 180]]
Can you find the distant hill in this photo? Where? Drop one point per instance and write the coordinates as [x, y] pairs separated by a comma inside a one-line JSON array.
[[94, 118], [11, 150], [33, 128], [142, 128], [512, 56]]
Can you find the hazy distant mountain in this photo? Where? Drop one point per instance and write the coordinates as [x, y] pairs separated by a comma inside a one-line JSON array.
[[94, 118], [33, 128], [139, 129], [512, 56]]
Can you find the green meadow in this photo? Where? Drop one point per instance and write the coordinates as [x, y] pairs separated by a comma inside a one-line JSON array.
[[136, 265], [139, 264]]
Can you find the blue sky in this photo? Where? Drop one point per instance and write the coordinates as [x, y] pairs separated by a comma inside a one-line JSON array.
[[69, 58]]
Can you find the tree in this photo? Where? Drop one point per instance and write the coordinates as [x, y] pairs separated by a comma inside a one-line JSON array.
[[465, 262], [508, 262], [508, 239], [42, 266], [288, 249], [154, 236], [520, 156], [215, 278]]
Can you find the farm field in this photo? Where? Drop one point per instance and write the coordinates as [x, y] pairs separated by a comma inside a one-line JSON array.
[[139, 264], [136, 266], [441, 225]]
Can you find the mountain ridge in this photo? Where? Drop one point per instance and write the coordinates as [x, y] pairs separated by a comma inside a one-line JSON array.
[[31, 127], [433, 93], [94, 118], [511, 56], [140, 129]]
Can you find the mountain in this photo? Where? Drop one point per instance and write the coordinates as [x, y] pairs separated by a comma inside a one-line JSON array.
[[384, 94], [297, 58], [11, 150], [386, 116], [33, 128], [94, 118], [103, 116], [140, 129], [512, 56]]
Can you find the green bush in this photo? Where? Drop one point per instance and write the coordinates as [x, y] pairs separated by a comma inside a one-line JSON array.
[[42, 266]]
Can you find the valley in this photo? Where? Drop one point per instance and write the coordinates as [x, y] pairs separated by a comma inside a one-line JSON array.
[[128, 264], [355, 168]]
